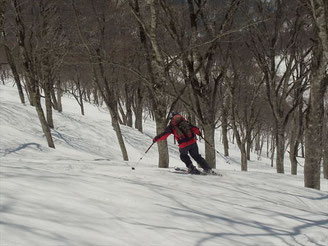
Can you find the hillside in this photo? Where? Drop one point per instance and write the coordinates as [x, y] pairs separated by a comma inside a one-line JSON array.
[[82, 193]]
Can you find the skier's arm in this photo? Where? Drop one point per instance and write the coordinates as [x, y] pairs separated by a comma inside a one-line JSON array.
[[168, 130], [195, 130]]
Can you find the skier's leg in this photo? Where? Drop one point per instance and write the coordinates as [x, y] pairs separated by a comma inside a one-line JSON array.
[[198, 158], [184, 156]]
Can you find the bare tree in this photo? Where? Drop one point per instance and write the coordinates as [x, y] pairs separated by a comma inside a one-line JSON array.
[[53, 46], [137, 105], [325, 140], [2, 14], [318, 10], [244, 86], [14, 69], [9, 51], [156, 67], [294, 138], [274, 43], [98, 54], [224, 119], [30, 63], [197, 48], [77, 89]]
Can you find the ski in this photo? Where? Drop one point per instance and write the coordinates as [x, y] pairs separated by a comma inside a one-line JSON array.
[[179, 170], [185, 171]]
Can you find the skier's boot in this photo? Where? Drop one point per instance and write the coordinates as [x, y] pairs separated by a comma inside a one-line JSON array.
[[193, 170], [209, 171]]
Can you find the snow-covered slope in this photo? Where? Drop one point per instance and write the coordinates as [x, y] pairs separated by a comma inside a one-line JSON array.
[[81, 193]]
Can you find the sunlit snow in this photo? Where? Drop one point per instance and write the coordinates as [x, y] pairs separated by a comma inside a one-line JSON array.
[[82, 193]]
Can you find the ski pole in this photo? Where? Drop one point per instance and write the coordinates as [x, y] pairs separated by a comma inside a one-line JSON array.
[[144, 154], [225, 158]]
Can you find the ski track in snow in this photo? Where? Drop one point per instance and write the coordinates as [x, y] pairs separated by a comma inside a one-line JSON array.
[[81, 193]]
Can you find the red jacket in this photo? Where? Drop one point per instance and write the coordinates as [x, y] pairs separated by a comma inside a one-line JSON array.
[[182, 142]]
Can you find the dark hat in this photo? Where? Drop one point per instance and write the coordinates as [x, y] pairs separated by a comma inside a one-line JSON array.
[[172, 114]]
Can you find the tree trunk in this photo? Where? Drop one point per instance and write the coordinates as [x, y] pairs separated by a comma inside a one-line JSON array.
[[129, 121], [122, 120], [325, 145], [95, 95], [117, 129], [241, 142], [44, 124], [292, 157], [314, 131], [293, 160], [81, 100], [273, 149], [267, 145], [137, 107], [59, 97], [261, 148], [248, 146], [325, 155], [59, 100], [87, 95], [280, 147], [294, 140], [54, 99], [257, 143], [47, 94], [138, 115], [28, 90], [128, 105], [318, 82], [12, 65], [163, 153], [225, 134], [244, 159], [209, 131], [313, 137], [303, 147]]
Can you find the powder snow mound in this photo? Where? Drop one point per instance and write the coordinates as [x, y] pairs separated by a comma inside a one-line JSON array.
[[82, 193]]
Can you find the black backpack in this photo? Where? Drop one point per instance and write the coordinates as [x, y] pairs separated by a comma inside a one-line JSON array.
[[182, 127]]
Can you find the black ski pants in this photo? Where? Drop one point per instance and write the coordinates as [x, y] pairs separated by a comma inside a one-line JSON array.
[[194, 153]]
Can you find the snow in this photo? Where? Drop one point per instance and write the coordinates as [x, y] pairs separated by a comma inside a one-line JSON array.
[[82, 193]]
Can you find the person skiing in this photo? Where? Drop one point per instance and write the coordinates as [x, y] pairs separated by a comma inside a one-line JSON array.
[[184, 133]]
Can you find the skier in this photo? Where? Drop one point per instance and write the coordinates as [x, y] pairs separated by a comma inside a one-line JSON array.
[[184, 133]]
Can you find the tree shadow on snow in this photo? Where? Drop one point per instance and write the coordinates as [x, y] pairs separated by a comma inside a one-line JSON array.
[[21, 147], [249, 228]]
